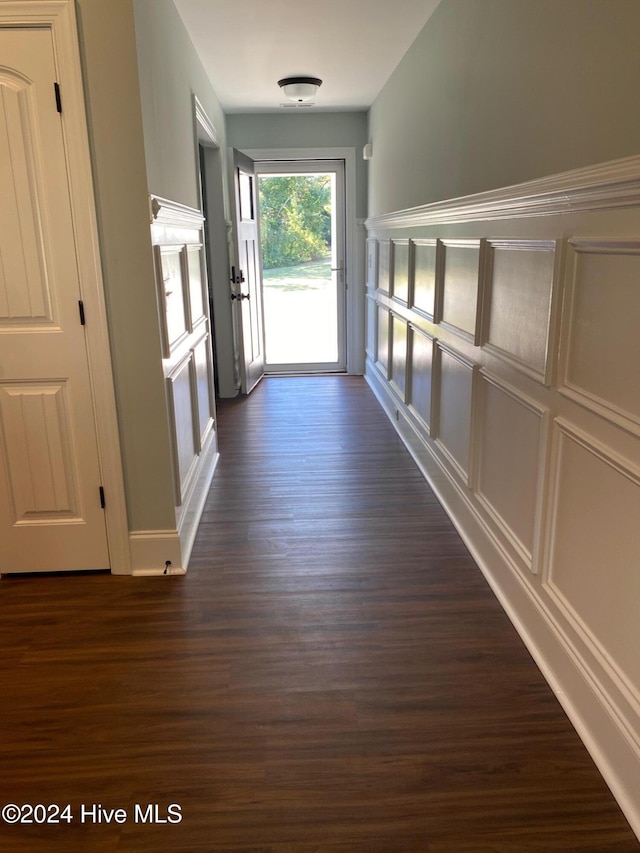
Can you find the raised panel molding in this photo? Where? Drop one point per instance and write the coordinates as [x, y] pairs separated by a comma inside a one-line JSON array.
[[425, 276], [453, 408], [523, 412], [520, 304], [183, 305], [383, 340], [461, 288], [510, 445], [400, 274], [372, 263], [372, 326], [421, 357], [594, 507], [384, 267], [399, 343], [600, 341]]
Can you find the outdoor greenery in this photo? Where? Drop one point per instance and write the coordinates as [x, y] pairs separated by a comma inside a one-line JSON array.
[[295, 219]]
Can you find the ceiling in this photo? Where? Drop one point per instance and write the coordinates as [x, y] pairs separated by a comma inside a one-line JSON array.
[[246, 46]]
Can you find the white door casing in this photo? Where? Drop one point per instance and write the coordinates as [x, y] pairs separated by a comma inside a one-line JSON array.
[[246, 272], [55, 375]]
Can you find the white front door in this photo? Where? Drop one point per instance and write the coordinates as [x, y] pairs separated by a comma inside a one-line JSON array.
[[246, 273], [51, 518]]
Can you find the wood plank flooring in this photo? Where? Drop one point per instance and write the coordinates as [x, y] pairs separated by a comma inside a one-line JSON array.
[[333, 674]]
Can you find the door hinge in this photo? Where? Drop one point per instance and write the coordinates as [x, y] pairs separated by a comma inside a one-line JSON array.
[[56, 87], [102, 503], [81, 310]]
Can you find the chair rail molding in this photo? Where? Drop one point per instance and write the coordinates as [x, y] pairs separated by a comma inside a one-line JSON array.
[[600, 187]]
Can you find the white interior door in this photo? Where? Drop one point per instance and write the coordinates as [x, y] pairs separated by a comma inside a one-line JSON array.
[[51, 516], [246, 273]]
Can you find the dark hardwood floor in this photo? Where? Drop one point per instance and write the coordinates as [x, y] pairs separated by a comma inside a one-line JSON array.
[[332, 674]]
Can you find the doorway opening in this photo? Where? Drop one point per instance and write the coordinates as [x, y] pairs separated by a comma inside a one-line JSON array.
[[302, 247]]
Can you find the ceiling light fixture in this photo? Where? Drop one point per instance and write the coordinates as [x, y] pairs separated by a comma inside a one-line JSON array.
[[300, 89]]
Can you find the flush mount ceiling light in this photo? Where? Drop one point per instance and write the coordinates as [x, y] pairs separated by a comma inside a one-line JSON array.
[[300, 89]]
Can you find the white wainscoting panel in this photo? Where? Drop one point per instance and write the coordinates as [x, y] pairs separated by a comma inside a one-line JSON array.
[[372, 326], [400, 277], [372, 263], [518, 304], [453, 409], [203, 379], [510, 459], [399, 355], [382, 340], [518, 343], [183, 306], [421, 358], [193, 273], [384, 266], [424, 276], [600, 334], [594, 546], [461, 286]]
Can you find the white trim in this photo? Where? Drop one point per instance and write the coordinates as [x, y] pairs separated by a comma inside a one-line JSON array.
[[206, 125], [604, 186], [196, 496], [354, 241], [59, 15], [152, 549]]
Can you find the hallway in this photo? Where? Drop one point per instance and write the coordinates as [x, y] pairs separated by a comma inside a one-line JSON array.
[[332, 674]]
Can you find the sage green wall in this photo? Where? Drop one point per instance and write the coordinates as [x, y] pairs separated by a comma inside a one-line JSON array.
[[496, 92], [108, 52], [170, 74], [301, 130]]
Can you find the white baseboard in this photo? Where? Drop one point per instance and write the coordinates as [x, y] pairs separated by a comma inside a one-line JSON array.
[[195, 499], [151, 550], [585, 699]]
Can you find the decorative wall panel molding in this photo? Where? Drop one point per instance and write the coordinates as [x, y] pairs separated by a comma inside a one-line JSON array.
[[183, 307], [461, 285], [511, 374], [424, 275], [510, 463], [384, 266], [399, 341], [453, 408], [520, 311], [595, 506], [400, 276], [421, 357], [383, 340], [600, 339]]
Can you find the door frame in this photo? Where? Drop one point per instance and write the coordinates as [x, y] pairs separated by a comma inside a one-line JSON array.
[[354, 242], [311, 167], [59, 16]]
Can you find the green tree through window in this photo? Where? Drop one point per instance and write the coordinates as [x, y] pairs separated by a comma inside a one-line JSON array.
[[295, 219]]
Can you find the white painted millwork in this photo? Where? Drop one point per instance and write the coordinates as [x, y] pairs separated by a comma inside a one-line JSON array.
[[521, 406], [55, 374], [183, 308], [246, 272]]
